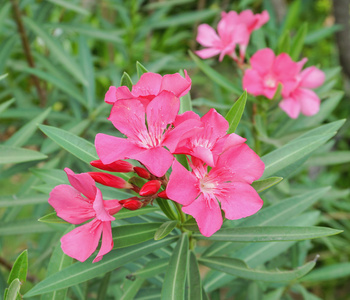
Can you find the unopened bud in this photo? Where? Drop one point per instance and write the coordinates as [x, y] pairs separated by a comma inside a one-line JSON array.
[[132, 203], [142, 172], [120, 166], [110, 180], [150, 188], [163, 195]]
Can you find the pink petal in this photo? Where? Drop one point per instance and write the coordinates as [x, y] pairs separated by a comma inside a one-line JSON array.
[[290, 106], [128, 116], [269, 93], [149, 84], [188, 115], [216, 122], [70, 205], [309, 101], [110, 148], [203, 154], [233, 140], [82, 241], [161, 112], [207, 36], [312, 78], [252, 82], [227, 25], [262, 61], [243, 162], [207, 53], [82, 182], [112, 206], [284, 67], [242, 201], [207, 215], [107, 241], [157, 160], [176, 83], [241, 35], [101, 212], [110, 96], [183, 185], [123, 93]]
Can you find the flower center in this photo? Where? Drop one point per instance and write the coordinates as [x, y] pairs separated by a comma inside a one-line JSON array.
[[207, 185], [270, 81]]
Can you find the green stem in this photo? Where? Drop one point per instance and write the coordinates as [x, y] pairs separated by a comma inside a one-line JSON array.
[[180, 212]]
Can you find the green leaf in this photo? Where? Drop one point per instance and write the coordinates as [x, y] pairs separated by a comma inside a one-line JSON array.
[[102, 290], [185, 101], [140, 69], [5, 105], [191, 225], [264, 184], [269, 234], [328, 273], [9, 154], [284, 43], [58, 262], [23, 227], [52, 218], [71, 6], [215, 76], [19, 268], [322, 33], [30, 200], [165, 229], [330, 158], [3, 76], [125, 213], [132, 287], [25, 133], [235, 113], [239, 268], [166, 208], [12, 293], [126, 81], [57, 51], [76, 145], [151, 269], [298, 42], [194, 278], [80, 272], [128, 235], [174, 282]]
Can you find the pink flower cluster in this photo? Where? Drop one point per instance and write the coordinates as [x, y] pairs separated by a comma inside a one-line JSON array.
[[268, 71], [222, 165], [233, 30]]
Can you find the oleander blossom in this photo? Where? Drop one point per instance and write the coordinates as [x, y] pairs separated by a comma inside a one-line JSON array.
[[267, 71], [233, 29], [228, 183], [149, 86], [144, 143], [303, 99], [77, 203]]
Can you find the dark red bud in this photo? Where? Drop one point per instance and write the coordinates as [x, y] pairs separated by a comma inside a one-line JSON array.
[[142, 172], [117, 166], [132, 203], [163, 195], [150, 188], [110, 180]]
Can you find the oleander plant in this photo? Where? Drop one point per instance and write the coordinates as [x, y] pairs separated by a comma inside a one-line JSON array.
[[172, 150]]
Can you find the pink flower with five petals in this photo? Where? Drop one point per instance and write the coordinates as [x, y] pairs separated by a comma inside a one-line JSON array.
[[229, 183], [149, 86], [74, 208]]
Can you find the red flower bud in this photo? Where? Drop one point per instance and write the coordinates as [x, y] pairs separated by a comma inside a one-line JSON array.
[[110, 180], [132, 203], [163, 195], [142, 172], [150, 188], [117, 166]]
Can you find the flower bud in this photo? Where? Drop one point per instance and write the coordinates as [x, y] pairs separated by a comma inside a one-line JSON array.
[[163, 195], [117, 166], [132, 203], [110, 180], [142, 172], [150, 188]]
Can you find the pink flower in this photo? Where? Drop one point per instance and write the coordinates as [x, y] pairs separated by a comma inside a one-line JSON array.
[[149, 86], [302, 98], [200, 191], [209, 140], [268, 71], [145, 143], [233, 29], [72, 207]]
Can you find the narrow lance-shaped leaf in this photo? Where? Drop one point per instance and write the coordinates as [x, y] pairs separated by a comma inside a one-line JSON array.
[[52, 218], [140, 69], [124, 213], [9, 154], [298, 42], [165, 229], [194, 278], [174, 281], [185, 101], [20, 268], [235, 113], [131, 288], [5, 105], [151, 269], [239, 268], [12, 293], [126, 81], [264, 184]]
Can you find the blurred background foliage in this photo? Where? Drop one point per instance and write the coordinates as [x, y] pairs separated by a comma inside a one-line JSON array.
[[60, 58]]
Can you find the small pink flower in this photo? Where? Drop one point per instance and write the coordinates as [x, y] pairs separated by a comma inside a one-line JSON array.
[[268, 71], [209, 140], [149, 86], [200, 191], [74, 208], [145, 143], [302, 98]]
